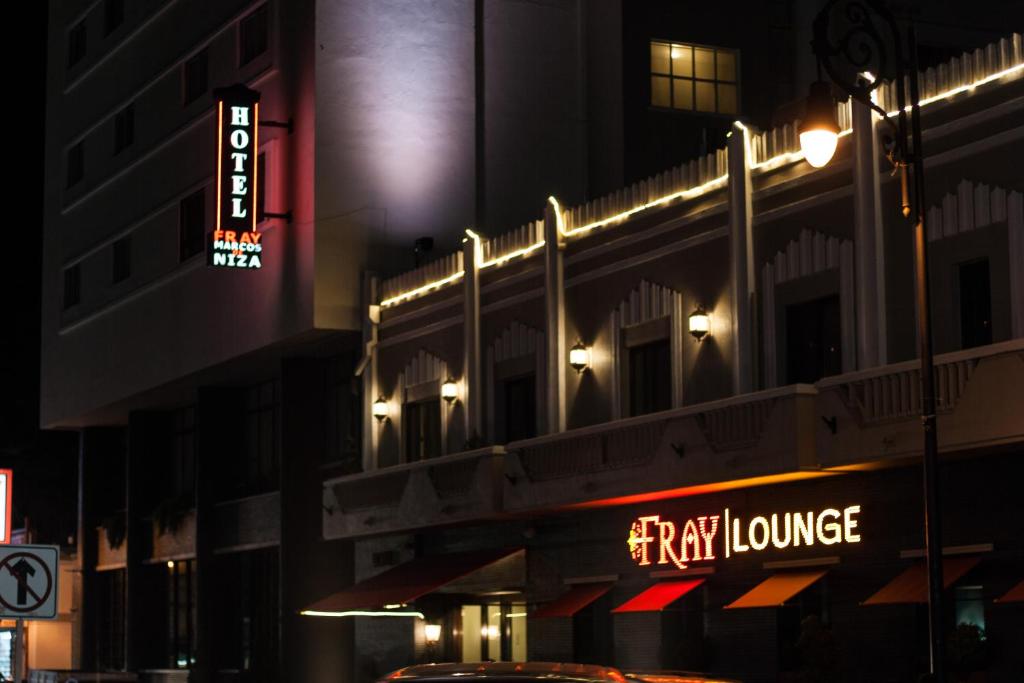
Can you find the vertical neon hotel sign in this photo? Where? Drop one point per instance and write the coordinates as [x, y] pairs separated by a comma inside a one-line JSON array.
[[234, 242]]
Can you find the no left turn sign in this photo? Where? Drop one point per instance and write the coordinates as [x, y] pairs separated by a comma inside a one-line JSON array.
[[28, 581]]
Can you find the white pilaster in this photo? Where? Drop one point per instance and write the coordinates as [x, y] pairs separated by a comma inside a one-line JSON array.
[[554, 309], [869, 245], [741, 261]]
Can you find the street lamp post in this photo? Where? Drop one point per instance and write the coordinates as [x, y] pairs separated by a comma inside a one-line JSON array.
[[860, 44]]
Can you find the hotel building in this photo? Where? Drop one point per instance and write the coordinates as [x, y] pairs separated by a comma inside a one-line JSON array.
[[520, 445]]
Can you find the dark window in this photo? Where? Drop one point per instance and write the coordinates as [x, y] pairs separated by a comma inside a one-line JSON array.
[[804, 634], [124, 128], [110, 636], [813, 341], [72, 285], [252, 36], [344, 414], [262, 427], [969, 607], [76, 44], [248, 614], [975, 304], [76, 163], [191, 225], [261, 187], [593, 641], [113, 15], [422, 422], [195, 77], [182, 480], [122, 260], [520, 408], [181, 602], [650, 372]]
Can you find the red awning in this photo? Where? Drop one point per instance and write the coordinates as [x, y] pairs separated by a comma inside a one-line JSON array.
[[911, 586], [777, 589], [573, 600], [1015, 594], [406, 582], [659, 596]]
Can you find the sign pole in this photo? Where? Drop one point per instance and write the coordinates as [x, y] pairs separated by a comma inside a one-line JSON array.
[[19, 652]]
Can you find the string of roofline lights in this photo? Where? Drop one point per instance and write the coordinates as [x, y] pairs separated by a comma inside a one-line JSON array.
[[688, 193]]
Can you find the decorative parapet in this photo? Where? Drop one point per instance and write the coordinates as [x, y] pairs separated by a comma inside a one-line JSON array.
[[522, 241], [963, 73], [423, 280], [875, 414], [735, 427], [768, 149], [686, 181], [721, 444], [430, 493]]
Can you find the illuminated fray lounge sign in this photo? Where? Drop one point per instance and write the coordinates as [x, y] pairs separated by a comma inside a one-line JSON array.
[[234, 242], [654, 541]]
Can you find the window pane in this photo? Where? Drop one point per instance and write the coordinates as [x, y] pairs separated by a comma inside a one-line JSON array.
[[122, 259], [518, 624], [705, 96], [192, 224], [975, 304], [72, 285], [76, 44], [76, 163], [727, 98], [113, 15], [813, 340], [253, 35], [195, 77], [660, 91], [682, 93], [471, 633], [682, 60], [493, 632], [659, 58], [649, 376], [704, 62], [520, 408], [726, 65], [970, 606]]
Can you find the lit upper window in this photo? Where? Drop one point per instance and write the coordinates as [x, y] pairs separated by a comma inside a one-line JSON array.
[[694, 78]]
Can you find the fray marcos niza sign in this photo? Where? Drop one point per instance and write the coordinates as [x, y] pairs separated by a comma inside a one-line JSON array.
[[234, 242], [656, 541]]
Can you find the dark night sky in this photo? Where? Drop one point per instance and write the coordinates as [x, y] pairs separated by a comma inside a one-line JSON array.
[[45, 478]]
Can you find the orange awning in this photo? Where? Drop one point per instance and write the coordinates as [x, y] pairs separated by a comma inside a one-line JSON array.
[[1015, 594], [777, 589], [911, 586], [406, 582], [659, 596], [573, 600]]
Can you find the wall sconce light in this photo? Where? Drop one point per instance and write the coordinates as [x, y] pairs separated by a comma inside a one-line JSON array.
[[449, 390], [380, 409], [700, 323], [579, 357], [432, 633], [819, 131]]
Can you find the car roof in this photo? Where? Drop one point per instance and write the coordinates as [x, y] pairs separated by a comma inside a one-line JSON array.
[[674, 677], [549, 670]]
